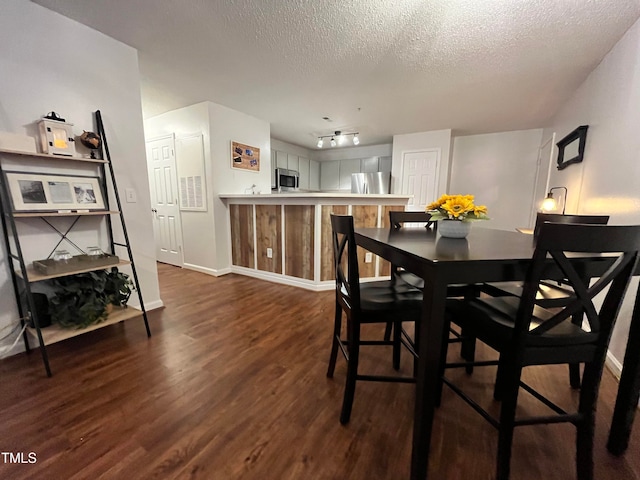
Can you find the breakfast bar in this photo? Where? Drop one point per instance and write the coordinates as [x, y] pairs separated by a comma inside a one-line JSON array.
[[286, 237]]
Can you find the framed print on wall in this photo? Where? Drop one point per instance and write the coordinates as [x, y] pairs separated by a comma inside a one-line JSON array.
[[38, 192], [245, 157], [571, 147]]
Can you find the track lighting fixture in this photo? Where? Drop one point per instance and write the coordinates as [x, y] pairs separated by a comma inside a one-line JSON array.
[[338, 138]]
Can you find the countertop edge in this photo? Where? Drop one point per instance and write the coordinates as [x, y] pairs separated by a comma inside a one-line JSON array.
[[315, 195]]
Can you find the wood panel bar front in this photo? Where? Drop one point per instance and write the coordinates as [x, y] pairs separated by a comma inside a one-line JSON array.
[[299, 240], [385, 266], [365, 216], [242, 235], [269, 235]]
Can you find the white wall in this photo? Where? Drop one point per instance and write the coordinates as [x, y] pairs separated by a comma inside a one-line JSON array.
[[49, 62], [197, 227], [412, 142], [206, 234], [608, 179], [229, 125], [500, 170]]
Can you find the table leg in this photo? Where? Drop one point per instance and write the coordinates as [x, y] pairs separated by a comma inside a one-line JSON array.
[[430, 346], [629, 388]]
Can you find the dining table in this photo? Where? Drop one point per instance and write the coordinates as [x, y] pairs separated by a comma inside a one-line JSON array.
[[486, 255]]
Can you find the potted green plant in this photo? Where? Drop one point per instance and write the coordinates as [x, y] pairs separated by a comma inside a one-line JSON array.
[[84, 299]]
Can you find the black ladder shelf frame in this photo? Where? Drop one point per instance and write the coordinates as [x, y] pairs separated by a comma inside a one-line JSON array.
[[21, 282]]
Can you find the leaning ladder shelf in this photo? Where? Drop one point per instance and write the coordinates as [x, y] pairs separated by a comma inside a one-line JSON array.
[[24, 275]]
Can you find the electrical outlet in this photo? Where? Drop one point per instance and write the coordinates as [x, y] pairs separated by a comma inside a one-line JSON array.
[[269, 253], [368, 257]]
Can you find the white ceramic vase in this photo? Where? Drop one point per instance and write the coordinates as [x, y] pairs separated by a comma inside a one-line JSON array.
[[453, 228]]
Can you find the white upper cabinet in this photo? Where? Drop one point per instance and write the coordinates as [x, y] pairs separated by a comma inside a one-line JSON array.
[[384, 164], [293, 162], [314, 175], [303, 168], [347, 167], [281, 159], [330, 175], [369, 165]]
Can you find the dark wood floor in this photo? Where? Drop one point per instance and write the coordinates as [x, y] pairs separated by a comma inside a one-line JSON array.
[[232, 386]]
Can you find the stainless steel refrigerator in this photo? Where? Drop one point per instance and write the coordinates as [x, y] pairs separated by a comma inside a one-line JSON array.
[[376, 182]]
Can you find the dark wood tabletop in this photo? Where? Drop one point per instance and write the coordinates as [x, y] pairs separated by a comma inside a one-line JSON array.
[[485, 255]]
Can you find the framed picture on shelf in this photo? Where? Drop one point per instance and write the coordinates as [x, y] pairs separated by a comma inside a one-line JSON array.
[[38, 192], [245, 157]]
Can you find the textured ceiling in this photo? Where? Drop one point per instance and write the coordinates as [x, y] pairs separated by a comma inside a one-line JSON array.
[[377, 66]]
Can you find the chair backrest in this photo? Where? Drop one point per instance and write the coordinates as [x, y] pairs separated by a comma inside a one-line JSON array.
[[345, 261], [621, 244], [561, 218], [398, 218]]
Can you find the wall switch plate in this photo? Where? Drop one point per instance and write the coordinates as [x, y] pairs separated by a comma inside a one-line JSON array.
[[269, 253], [130, 195], [368, 257]]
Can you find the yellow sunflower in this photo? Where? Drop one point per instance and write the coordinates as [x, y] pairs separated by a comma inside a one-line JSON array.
[[480, 210], [458, 205]]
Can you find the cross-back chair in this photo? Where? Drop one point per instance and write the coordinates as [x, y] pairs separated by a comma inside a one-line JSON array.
[[526, 334], [366, 303]]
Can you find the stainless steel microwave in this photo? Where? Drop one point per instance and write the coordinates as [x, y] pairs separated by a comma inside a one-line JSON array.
[[286, 180]]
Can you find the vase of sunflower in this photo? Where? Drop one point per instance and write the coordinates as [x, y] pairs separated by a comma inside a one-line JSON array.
[[455, 213]]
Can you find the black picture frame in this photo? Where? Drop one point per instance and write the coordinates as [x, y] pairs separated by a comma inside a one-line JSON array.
[[571, 147]]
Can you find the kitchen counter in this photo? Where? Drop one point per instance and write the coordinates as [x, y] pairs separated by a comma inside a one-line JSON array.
[[286, 237]]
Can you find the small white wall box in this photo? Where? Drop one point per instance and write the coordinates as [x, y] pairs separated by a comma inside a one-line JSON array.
[[17, 142], [56, 136]]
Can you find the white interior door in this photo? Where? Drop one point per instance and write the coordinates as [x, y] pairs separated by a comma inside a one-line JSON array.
[[420, 177], [163, 180]]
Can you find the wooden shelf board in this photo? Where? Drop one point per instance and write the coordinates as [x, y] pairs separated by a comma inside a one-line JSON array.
[[34, 276], [63, 214], [57, 157], [56, 333]]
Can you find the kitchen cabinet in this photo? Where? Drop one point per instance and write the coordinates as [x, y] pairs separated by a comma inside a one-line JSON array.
[[304, 173], [293, 162], [281, 159], [330, 175], [384, 164], [347, 167], [314, 175], [369, 165]]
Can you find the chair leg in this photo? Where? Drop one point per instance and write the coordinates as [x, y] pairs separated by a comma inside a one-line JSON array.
[[507, 420], [498, 388], [352, 371], [387, 331], [442, 365], [574, 375], [397, 335], [337, 327], [468, 349], [586, 428]]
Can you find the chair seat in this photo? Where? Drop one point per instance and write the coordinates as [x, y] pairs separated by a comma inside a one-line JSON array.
[[491, 319], [549, 295], [377, 299]]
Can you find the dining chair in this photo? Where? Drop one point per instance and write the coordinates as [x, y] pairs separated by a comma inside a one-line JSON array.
[[366, 303], [527, 334], [397, 220], [550, 294]]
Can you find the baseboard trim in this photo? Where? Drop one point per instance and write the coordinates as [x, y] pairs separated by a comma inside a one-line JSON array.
[[208, 271], [284, 279]]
